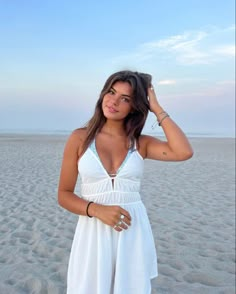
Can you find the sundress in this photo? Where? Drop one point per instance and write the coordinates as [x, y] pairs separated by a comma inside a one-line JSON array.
[[102, 260]]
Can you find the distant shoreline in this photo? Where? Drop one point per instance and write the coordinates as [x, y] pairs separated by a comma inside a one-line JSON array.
[[60, 133]]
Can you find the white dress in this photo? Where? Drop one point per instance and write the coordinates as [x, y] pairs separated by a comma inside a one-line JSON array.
[[102, 260]]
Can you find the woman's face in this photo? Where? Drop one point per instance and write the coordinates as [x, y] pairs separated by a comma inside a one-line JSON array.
[[117, 103]]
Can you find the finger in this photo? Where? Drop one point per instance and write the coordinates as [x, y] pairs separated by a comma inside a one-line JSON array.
[[151, 90], [126, 221], [125, 213], [122, 225], [117, 228]]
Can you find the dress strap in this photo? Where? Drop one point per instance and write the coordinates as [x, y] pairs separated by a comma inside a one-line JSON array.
[[93, 148]]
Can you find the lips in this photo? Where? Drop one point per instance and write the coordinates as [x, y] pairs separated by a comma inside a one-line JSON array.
[[111, 109]]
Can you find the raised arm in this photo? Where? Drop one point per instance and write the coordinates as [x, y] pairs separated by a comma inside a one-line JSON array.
[[176, 147]]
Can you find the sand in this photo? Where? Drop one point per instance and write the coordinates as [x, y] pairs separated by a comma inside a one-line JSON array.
[[191, 206]]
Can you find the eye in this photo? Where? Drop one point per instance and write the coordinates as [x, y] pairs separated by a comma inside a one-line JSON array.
[[124, 99]]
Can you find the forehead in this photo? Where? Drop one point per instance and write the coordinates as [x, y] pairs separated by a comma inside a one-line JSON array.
[[123, 88]]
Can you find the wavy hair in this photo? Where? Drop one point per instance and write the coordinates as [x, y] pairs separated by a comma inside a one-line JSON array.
[[134, 122]]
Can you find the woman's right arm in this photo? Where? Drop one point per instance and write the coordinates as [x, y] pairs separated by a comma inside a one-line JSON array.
[[109, 215], [68, 176]]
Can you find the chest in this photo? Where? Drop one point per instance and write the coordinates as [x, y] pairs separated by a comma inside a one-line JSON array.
[[112, 154]]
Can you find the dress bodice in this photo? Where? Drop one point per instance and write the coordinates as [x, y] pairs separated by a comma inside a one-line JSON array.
[[96, 180]]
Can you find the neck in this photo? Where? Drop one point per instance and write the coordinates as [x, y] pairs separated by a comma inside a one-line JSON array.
[[114, 128]]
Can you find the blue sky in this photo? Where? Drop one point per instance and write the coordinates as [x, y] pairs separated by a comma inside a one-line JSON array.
[[56, 55]]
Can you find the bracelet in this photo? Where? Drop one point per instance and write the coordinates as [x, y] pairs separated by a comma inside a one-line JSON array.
[[164, 114], [167, 115], [88, 208]]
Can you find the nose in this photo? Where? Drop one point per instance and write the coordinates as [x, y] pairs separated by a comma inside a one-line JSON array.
[[115, 99]]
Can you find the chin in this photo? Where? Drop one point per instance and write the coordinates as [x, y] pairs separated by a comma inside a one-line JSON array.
[[113, 117]]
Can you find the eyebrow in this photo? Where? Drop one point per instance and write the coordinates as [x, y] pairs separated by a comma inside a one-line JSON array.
[[125, 95]]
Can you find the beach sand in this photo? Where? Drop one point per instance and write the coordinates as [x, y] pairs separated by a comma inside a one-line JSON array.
[[191, 206]]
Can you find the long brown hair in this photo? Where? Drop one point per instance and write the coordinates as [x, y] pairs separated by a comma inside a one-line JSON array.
[[134, 122]]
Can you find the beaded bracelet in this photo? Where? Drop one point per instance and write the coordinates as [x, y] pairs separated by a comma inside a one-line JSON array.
[[159, 121], [163, 112], [167, 115], [88, 208]]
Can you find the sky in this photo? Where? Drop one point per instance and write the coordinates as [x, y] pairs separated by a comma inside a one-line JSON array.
[[55, 57]]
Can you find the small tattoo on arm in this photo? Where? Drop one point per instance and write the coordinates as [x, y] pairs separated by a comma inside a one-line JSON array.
[[164, 153]]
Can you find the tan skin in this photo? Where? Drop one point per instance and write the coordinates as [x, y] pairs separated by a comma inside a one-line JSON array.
[[112, 147]]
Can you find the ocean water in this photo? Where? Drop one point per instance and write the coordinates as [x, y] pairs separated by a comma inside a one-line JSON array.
[[199, 134]]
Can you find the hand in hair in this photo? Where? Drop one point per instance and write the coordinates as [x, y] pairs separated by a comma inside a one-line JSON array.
[[153, 102]]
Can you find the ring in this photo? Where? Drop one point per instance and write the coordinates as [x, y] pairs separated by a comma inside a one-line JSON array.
[[122, 217], [119, 223], [152, 88]]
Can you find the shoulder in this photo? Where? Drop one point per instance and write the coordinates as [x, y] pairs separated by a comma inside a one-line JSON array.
[[76, 140], [79, 134], [144, 141]]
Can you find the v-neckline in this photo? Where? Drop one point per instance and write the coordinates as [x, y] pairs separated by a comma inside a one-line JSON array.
[[102, 165]]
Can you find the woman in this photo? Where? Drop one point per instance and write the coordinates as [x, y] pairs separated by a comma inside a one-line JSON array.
[[113, 249]]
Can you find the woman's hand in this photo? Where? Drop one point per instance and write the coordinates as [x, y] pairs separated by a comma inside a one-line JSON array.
[[153, 102], [111, 215], [176, 147]]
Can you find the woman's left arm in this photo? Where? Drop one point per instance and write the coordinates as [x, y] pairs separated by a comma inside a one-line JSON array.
[[177, 146]]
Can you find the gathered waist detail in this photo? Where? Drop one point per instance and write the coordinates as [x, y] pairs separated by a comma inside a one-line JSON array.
[[107, 186], [113, 197]]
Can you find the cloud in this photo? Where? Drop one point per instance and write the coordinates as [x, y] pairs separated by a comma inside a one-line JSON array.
[[225, 89], [167, 82], [191, 47], [227, 83], [226, 50], [185, 47]]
